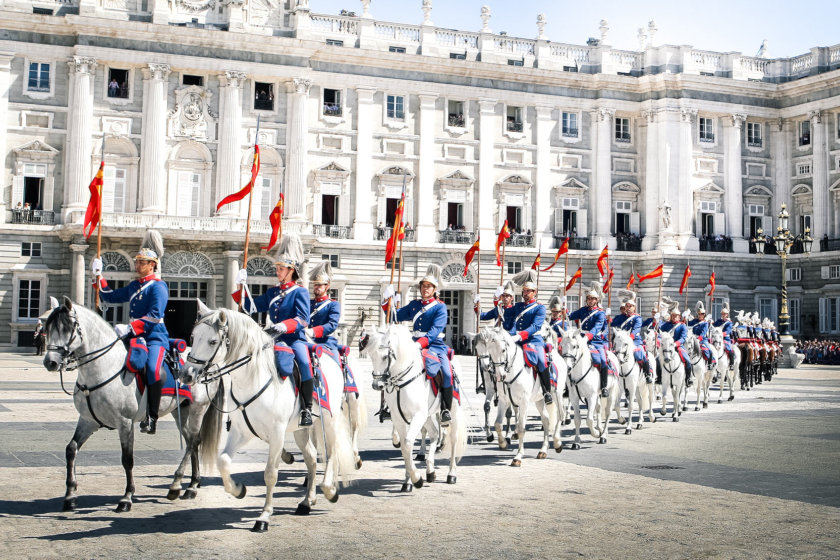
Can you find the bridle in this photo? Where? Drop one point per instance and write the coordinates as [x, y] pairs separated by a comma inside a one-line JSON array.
[[396, 381], [627, 357], [668, 356], [571, 361], [210, 370]]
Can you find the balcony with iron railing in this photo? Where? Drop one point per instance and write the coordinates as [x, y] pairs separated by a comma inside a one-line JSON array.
[[26, 216], [628, 242], [720, 244], [460, 237], [827, 244], [577, 243], [520, 240], [333, 231], [384, 233]]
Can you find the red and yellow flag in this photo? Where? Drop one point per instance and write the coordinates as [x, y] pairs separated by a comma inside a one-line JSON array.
[[536, 264], [602, 260], [469, 256], [686, 276], [608, 283], [92, 214], [575, 277], [632, 279], [255, 170], [396, 231], [276, 221], [655, 273], [503, 234], [564, 248], [712, 284]]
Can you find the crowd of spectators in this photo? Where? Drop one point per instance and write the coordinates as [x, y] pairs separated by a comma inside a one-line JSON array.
[[628, 242], [820, 351], [718, 243]]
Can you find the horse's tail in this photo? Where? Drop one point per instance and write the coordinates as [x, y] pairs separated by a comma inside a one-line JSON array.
[[211, 430], [342, 449], [361, 418]]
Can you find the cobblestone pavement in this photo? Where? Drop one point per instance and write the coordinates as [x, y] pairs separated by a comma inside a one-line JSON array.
[[757, 477]]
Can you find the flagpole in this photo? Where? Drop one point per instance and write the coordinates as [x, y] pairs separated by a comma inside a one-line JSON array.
[[539, 252], [565, 273], [478, 377], [99, 226], [248, 221], [659, 297], [685, 300], [580, 284]]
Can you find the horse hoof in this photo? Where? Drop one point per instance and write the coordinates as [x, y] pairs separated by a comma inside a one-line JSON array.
[[639, 425], [334, 499], [242, 492], [731, 398], [507, 443], [719, 401], [123, 507], [358, 464], [516, 463], [419, 483], [260, 527], [559, 448], [173, 494], [514, 436], [420, 457], [396, 445], [602, 440], [705, 405], [575, 446], [654, 419], [685, 408], [189, 494], [450, 479], [430, 477], [696, 408], [567, 422], [628, 431], [490, 438], [69, 505], [541, 455], [676, 418], [662, 412], [303, 509], [407, 487]]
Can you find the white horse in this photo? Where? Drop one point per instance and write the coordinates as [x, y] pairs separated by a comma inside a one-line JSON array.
[[488, 380], [225, 342], [398, 369], [106, 396], [584, 385], [725, 371], [631, 381], [700, 370], [650, 389], [673, 376], [354, 406], [518, 388]]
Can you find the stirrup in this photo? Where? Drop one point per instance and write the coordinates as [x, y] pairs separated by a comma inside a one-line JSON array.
[[144, 425], [605, 393], [445, 418], [547, 397], [305, 418], [152, 428], [480, 390]]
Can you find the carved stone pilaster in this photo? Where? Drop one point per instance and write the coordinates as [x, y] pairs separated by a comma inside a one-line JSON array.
[[233, 78], [738, 120], [82, 65], [156, 71], [815, 116], [605, 113], [688, 115], [300, 85]]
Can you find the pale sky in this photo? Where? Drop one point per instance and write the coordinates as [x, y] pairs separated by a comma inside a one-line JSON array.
[[791, 28]]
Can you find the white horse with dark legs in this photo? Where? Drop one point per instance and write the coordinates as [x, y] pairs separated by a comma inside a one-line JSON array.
[[631, 380], [673, 376], [263, 404], [107, 396], [723, 371], [584, 386], [518, 388], [398, 369]]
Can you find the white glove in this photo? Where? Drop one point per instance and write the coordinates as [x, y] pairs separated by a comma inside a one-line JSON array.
[[477, 299], [279, 328], [96, 266], [397, 299], [498, 293], [309, 332], [685, 314], [242, 276], [657, 316], [564, 301], [388, 293], [123, 330], [608, 311]]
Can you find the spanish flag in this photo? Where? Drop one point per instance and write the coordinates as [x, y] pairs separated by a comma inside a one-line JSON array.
[[564, 248], [602, 260], [632, 279], [536, 264], [686, 276], [391, 245], [712, 284], [469, 256], [608, 283], [575, 277], [503, 234], [255, 170], [92, 214], [655, 273], [276, 221]]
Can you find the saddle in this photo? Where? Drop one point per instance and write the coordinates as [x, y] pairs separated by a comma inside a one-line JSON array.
[[137, 356]]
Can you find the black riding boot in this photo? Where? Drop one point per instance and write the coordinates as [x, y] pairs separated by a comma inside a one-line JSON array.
[[658, 373], [306, 388], [604, 374], [647, 372], [689, 379], [545, 381], [445, 406], [153, 406]]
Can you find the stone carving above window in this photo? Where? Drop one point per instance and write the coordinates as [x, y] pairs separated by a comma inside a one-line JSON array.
[[191, 117], [261, 266], [196, 6], [115, 262], [188, 265], [453, 273]]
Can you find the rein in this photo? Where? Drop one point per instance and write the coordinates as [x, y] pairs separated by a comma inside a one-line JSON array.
[[395, 382]]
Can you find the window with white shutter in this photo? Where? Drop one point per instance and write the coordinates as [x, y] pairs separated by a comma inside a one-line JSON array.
[[114, 189], [189, 190]]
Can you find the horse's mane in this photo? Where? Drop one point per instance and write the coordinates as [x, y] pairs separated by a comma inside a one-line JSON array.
[[87, 318], [246, 336]]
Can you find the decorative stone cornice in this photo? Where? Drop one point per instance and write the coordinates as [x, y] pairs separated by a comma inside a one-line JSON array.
[[300, 85], [605, 113], [688, 115], [157, 71], [82, 65], [738, 120], [815, 116], [233, 78]]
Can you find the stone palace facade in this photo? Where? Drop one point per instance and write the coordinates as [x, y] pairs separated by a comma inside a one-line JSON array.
[[665, 154]]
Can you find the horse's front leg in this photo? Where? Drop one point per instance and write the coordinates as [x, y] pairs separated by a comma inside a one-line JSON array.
[[576, 444], [238, 436], [303, 438], [84, 429], [412, 430], [275, 448], [631, 397], [433, 432], [126, 430], [190, 454], [521, 417], [500, 414]]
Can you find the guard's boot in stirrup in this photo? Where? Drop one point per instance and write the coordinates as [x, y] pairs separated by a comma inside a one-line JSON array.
[[445, 406], [306, 388], [153, 406], [689, 379], [545, 381], [646, 369], [604, 373]]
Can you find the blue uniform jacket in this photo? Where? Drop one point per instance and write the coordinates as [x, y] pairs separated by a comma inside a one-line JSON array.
[[287, 304], [678, 330], [699, 328], [726, 327], [147, 299], [559, 326], [323, 320], [528, 319], [507, 317], [631, 324], [593, 322], [428, 322]]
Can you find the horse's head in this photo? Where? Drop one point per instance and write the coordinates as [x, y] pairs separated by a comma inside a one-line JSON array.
[[572, 346], [499, 348], [209, 343], [667, 346], [389, 348], [716, 334], [623, 346], [63, 335]]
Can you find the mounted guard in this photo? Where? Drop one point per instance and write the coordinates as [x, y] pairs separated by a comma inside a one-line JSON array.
[[528, 318], [324, 316], [631, 322], [502, 302], [593, 323], [700, 328], [679, 331], [559, 322]]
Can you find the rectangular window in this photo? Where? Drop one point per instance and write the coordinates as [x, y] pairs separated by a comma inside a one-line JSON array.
[[756, 209], [118, 83], [192, 80], [30, 249], [329, 209], [513, 62], [42, 11], [766, 308], [189, 190], [399, 50], [573, 302], [458, 56], [794, 274], [803, 168], [514, 119], [29, 299], [716, 305], [115, 313], [263, 96], [570, 69], [795, 317], [188, 289], [332, 102], [39, 76], [805, 133], [395, 107], [834, 271], [114, 189], [335, 43], [332, 257], [267, 203], [622, 129], [570, 125], [455, 215], [804, 223], [455, 113], [514, 267], [754, 135], [707, 130]]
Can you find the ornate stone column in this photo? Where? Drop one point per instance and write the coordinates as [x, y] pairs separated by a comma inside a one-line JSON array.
[[684, 205], [77, 273], [232, 267], [819, 170], [5, 78], [363, 226], [543, 226], [230, 142], [734, 184], [600, 196], [296, 152], [153, 141], [780, 137], [651, 182], [77, 174], [487, 123], [426, 231]]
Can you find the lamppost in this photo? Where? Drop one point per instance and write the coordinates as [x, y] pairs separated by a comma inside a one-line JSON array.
[[783, 242]]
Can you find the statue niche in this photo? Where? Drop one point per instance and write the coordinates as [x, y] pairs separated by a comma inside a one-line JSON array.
[[191, 118]]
